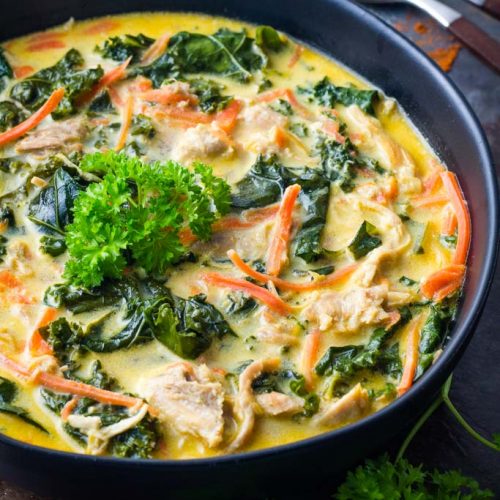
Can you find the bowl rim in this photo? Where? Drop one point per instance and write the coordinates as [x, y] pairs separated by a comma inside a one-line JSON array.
[[459, 336]]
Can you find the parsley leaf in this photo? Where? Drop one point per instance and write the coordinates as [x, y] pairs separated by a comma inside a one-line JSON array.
[[135, 214]]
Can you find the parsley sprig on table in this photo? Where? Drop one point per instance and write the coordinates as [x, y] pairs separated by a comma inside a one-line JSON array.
[[384, 479], [135, 213]]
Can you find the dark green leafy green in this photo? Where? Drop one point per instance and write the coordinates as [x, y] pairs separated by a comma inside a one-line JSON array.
[[327, 94], [101, 104], [120, 48], [8, 392], [142, 125], [269, 39], [3, 247], [51, 209], [404, 280], [125, 216], [225, 53], [240, 304], [209, 95], [5, 70], [365, 241], [32, 92], [52, 245], [265, 183], [283, 107], [10, 115]]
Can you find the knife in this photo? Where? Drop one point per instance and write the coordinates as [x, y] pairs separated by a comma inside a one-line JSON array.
[[490, 6]]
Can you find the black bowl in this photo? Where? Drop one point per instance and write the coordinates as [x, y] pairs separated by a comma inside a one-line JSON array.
[[377, 52]]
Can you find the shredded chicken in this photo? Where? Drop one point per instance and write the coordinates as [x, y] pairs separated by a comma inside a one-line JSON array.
[[350, 407], [276, 329], [275, 403], [245, 400], [347, 312], [202, 141], [60, 135], [189, 399]]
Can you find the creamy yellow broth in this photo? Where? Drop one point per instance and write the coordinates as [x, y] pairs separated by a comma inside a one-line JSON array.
[[384, 138]]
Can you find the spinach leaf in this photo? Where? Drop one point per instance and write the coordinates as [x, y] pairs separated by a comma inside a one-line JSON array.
[[209, 94], [433, 333], [269, 39], [142, 125], [10, 115], [8, 392], [51, 209], [101, 104], [52, 245], [5, 69], [338, 162], [265, 183], [337, 359], [225, 53], [32, 92], [240, 303], [365, 240], [188, 326], [328, 94], [389, 361], [120, 48]]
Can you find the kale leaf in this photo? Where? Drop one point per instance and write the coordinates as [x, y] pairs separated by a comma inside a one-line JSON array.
[[32, 92], [10, 115], [365, 240], [8, 392], [101, 104], [209, 93], [5, 70], [142, 125], [120, 48], [327, 94], [265, 183]]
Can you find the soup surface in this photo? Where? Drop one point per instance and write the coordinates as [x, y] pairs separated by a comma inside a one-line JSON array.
[[212, 239]]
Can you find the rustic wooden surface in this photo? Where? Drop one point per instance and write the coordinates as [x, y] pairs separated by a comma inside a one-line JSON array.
[[442, 443]]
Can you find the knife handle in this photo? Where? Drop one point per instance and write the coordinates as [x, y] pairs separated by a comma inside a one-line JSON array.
[[478, 41], [493, 7]]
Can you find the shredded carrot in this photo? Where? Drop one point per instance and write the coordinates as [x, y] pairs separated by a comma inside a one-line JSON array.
[[8, 280], [44, 36], [321, 282], [101, 27], [277, 252], [23, 71], [332, 128], [411, 357], [115, 97], [60, 384], [449, 225], [45, 45], [287, 94], [69, 407], [440, 284], [280, 137], [428, 201], [309, 356], [108, 79], [227, 118], [156, 49], [166, 96], [269, 299], [187, 115], [297, 53], [36, 343], [126, 121], [392, 189], [31, 122], [455, 194], [141, 84]]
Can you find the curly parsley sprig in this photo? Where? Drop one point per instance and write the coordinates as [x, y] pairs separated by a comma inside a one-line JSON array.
[[135, 214]]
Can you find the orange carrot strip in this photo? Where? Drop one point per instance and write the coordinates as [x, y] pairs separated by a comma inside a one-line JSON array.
[[227, 118], [155, 49], [101, 27], [455, 194], [309, 356], [280, 137], [443, 282], [47, 44], [31, 122], [8, 280], [36, 343], [287, 94], [265, 296], [69, 407], [322, 282], [165, 96], [182, 114], [449, 225], [23, 71], [427, 201], [297, 53], [331, 127], [127, 119], [281, 231], [411, 357], [108, 79]]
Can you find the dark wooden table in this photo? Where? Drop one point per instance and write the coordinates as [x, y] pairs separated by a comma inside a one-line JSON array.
[[442, 443]]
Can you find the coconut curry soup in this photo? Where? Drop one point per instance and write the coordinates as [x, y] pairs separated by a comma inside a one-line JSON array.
[[212, 239]]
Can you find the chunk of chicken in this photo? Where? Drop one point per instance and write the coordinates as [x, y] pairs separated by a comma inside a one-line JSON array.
[[202, 141], [350, 407], [60, 135], [245, 400], [276, 403], [347, 312], [275, 329], [376, 143], [189, 399]]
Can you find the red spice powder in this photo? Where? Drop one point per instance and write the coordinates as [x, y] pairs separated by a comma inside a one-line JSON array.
[[445, 57]]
